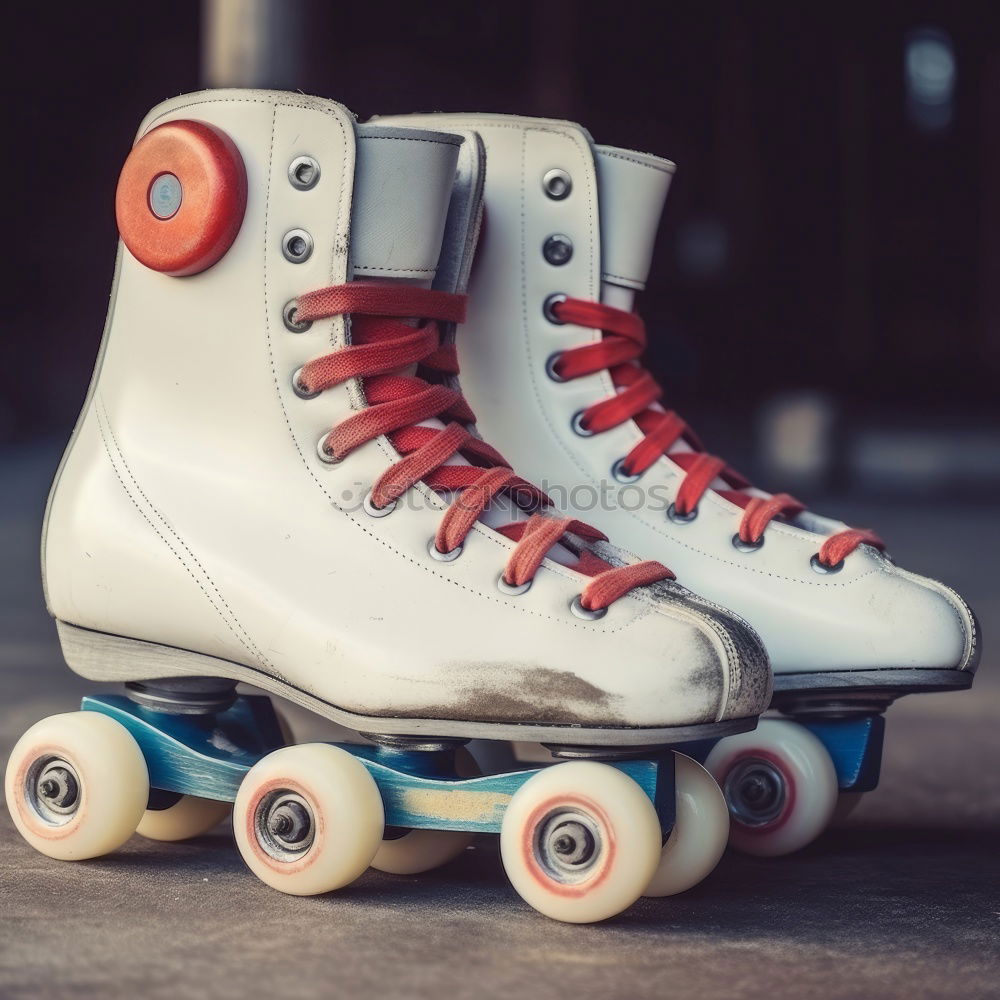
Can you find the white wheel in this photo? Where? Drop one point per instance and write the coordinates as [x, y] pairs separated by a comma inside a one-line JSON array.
[[419, 851], [701, 831], [580, 841], [780, 786], [188, 817], [847, 802], [308, 819], [76, 785], [416, 851]]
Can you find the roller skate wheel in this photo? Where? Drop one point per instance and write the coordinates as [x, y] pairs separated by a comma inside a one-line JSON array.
[[419, 851], [580, 841], [416, 851], [308, 819], [701, 830], [76, 785], [780, 785], [188, 817], [181, 197]]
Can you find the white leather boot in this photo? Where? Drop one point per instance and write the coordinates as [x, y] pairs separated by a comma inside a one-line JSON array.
[[550, 356], [275, 479]]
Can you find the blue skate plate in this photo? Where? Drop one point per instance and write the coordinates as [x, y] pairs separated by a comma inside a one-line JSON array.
[[208, 756], [855, 746]]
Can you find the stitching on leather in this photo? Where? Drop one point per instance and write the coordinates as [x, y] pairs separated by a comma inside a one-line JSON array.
[[316, 105], [234, 626], [478, 123], [398, 270], [670, 473], [365, 137], [825, 583], [569, 620], [604, 151], [533, 369]]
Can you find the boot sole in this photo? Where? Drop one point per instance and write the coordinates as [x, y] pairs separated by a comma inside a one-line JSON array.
[[99, 656], [836, 693]]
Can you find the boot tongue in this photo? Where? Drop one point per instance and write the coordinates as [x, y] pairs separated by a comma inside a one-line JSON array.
[[632, 188], [402, 188]]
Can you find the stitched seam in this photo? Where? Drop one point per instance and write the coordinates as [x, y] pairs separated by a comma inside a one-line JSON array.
[[365, 137], [480, 529], [672, 473], [636, 161], [477, 122], [243, 639], [607, 388], [533, 368], [166, 524], [324, 108], [400, 270], [383, 443]]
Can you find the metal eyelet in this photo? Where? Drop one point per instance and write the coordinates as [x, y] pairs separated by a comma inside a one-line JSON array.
[[548, 308], [557, 249], [821, 567], [577, 424], [618, 473], [327, 457], [510, 590], [288, 317], [297, 246], [303, 173], [678, 518], [299, 389], [581, 612], [372, 511], [550, 367], [557, 184], [742, 546], [449, 556]]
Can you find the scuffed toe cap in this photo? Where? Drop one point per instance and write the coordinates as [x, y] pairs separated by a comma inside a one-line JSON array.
[[749, 669], [741, 660], [937, 628]]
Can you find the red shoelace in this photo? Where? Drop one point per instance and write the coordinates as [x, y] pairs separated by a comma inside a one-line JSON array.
[[619, 351], [382, 344]]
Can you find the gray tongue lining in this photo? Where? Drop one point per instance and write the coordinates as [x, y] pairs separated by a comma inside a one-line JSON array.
[[402, 187], [632, 188], [465, 216]]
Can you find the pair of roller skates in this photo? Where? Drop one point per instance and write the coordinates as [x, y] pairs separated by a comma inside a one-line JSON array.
[[284, 271]]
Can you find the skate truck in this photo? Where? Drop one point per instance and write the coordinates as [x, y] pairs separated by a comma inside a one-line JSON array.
[[580, 840]]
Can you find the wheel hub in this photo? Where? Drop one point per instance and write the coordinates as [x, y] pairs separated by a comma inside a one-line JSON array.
[[755, 791], [568, 845], [54, 790], [285, 825]]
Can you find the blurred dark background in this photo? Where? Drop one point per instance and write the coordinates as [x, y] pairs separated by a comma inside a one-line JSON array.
[[825, 299]]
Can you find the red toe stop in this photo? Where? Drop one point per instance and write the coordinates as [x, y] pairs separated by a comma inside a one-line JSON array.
[[181, 197]]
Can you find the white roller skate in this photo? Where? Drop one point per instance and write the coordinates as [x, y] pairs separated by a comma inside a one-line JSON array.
[[551, 362], [276, 480]]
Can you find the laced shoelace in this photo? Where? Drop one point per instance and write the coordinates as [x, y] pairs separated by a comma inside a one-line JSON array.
[[620, 351], [382, 345]]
